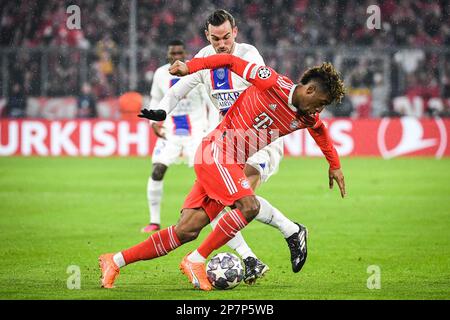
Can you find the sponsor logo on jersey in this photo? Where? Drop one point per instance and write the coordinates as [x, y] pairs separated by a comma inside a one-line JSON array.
[[264, 73], [226, 99], [273, 106]]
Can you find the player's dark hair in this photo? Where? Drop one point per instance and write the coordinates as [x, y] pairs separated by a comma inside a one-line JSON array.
[[175, 42], [328, 78], [218, 17]]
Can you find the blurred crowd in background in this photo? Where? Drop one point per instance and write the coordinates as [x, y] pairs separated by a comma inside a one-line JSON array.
[[408, 56]]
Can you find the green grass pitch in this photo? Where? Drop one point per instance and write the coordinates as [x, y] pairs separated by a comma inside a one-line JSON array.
[[58, 212]]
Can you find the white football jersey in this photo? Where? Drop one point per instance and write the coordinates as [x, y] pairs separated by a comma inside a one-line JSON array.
[[190, 117], [222, 85]]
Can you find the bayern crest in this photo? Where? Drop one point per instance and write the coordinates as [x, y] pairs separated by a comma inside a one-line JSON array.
[[244, 183], [294, 124]]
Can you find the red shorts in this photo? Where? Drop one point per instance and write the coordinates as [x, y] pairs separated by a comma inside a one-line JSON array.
[[218, 184]]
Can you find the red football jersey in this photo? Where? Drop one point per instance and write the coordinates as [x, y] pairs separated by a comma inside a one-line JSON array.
[[262, 113]]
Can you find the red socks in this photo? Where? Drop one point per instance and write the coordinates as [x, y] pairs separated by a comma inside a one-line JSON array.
[[158, 244], [164, 241], [226, 229]]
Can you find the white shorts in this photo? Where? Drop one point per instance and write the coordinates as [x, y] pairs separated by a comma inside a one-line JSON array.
[[267, 160], [175, 149]]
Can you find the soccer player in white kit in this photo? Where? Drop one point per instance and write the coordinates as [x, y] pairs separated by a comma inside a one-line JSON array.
[[224, 87], [180, 134]]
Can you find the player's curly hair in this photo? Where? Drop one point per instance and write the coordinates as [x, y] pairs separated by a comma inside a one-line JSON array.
[[328, 78]]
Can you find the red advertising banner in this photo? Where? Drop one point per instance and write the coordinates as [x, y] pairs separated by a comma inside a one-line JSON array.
[[387, 137]]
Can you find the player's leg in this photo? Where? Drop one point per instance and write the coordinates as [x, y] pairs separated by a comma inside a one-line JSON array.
[[254, 267], [269, 214], [246, 208], [154, 196], [162, 242], [158, 244], [165, 153], [259, 168], [227, 184]]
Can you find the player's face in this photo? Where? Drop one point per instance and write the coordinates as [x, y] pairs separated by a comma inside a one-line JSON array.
[[311, 100], [175, 53], [222, 37]]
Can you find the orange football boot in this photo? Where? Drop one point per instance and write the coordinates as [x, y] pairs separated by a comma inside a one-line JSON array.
[[196, 272], [109, 270]]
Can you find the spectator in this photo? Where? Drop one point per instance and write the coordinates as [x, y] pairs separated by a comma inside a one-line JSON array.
[[380, 95], [409, 26], [86, 104], [17, 103], [343, 109]]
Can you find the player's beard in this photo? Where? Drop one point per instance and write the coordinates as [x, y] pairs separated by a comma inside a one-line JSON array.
[[226, 50]]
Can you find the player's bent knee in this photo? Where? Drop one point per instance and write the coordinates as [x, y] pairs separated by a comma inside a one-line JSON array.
[[185, 234], [190, 224], [159, 170], [249, 207]]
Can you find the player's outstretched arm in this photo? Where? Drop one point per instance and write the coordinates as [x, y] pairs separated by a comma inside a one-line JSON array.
[[322, 137], [170, 100], [179, 68], [261, 76]]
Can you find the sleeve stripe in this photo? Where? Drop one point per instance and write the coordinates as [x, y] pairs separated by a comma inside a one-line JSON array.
[[253, 72], [249, 65]]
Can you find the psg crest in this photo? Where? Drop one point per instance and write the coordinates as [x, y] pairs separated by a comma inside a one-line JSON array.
[[220, 73], [264, 73]]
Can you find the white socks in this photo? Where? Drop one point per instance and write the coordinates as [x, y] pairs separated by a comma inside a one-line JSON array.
[[196, 257], [119, 260], [268, 214], [237, 243], [272, 216], [154, 196]]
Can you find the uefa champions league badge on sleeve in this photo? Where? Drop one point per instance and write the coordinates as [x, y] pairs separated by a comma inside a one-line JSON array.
[[264, 73]]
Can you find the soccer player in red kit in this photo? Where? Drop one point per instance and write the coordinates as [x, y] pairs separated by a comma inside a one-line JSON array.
[[272, 107]]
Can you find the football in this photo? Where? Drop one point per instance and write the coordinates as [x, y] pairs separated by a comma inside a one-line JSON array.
[[225, 271]]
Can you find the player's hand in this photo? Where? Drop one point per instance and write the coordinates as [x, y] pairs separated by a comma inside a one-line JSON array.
[[337, 175], [155, 115], [158, 130], [179, 68]]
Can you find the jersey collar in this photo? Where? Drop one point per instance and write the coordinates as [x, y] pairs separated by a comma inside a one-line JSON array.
[[291, 93]]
